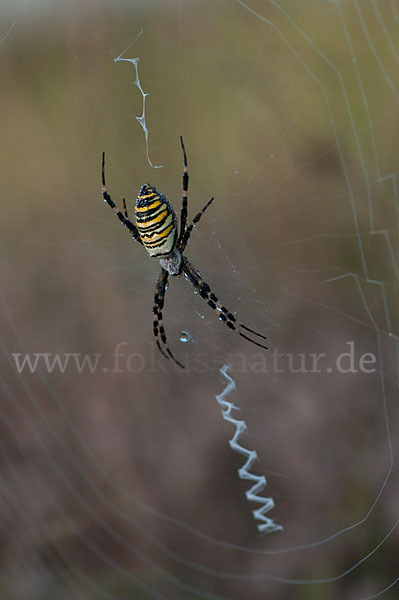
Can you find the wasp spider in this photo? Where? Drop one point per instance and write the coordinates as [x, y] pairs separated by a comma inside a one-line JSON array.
[[158, 231]]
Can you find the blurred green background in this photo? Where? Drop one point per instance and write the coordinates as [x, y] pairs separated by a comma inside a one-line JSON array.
[[121, 483]]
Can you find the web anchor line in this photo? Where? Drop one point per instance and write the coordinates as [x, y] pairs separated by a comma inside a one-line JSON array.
[[266, 525]]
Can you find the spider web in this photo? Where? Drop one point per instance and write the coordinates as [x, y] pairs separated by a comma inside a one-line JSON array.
[[119, 478]]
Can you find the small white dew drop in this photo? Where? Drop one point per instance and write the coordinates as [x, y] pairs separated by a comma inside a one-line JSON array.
[[185, 337]]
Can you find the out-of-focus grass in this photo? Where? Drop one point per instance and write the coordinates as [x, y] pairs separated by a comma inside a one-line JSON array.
[[281, 137]]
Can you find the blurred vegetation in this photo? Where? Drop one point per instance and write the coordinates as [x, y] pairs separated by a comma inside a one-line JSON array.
[[292, 126]]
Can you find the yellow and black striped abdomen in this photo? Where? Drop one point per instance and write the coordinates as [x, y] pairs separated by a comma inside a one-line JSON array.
[[156, 221]]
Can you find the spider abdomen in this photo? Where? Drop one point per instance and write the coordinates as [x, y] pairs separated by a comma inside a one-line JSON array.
[[156, 221]]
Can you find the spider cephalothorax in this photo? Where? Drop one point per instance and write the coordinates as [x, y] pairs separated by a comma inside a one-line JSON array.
[[173, 263], [157, 230]]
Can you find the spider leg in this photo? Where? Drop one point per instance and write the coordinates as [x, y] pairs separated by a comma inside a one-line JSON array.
[[122, 217], [159, 330], [211, 299], [187, 233], [183, 212], [125, 208]]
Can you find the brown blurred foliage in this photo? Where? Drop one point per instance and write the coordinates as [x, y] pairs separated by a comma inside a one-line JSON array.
[[121, 483]]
